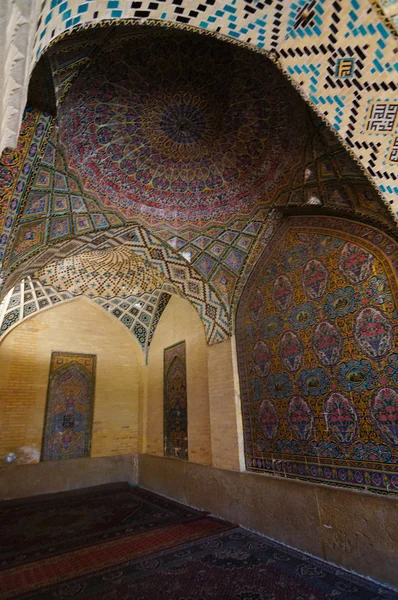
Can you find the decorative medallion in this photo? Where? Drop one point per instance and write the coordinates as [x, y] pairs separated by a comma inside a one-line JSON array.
[[271, 326], [315, 279], [391, 370], [373, 332], [341, 418], [282, 293], [355, 263], [262, 358], [268, 418], [384, 413], [313, 382], [302, 315], [300, 419], [327, 343], [291, 351], [357, 375], [341, 302]]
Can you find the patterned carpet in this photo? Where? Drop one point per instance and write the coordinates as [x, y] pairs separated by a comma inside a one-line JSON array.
[[179, 554], [49, 525]]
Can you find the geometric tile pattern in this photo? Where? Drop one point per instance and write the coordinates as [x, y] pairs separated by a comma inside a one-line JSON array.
[[173, 267], [53, 194], [106, 273], [306, 38], [16, 168], [140, 314]]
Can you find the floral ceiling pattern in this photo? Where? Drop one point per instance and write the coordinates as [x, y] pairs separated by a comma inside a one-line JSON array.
[[183, 163]]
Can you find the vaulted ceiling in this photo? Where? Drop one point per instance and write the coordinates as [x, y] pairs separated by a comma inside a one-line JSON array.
[[173, 154]]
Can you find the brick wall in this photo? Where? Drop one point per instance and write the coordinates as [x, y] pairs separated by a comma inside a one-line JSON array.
[[179, 322], [77, 326]]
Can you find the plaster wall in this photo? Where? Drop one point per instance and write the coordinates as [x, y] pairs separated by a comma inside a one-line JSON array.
[[77, 326], [179, 322], [21, 481], [354, 529]]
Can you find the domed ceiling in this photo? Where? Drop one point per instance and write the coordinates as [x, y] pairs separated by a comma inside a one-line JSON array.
[[181, 127], [187, 150]]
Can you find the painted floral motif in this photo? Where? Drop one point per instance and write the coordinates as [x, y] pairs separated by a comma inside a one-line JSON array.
[[315, 279], [336, 364], [379, 290], [325, 243], [256, 306], [325, 449], [313, 382], [282, 293], [300, 419], [373, 452], [262, 358], [291, 351], [373, 332], [271, 326], [341, 418], [341, 303], [302, 315], [287, 447], [391, 370], [268, 418], [355, 263], [279, 386], [295, 257], [306, 238], [357, 375], [270, 274], [257, 389], [384, 412], [327, 343]]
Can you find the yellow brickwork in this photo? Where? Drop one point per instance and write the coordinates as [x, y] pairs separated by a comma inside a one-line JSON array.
[[226, 421], [179, 322], [76, 326]]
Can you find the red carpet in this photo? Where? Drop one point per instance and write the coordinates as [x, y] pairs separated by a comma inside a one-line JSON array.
[[171, 553], [39, 574]]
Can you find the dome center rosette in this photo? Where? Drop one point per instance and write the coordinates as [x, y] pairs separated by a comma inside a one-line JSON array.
[[180, 127]]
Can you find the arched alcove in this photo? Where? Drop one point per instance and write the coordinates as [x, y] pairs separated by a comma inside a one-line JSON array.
[[77, 326]]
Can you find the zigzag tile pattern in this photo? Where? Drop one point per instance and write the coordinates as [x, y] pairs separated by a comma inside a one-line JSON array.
[[140, 314], [173, 267]]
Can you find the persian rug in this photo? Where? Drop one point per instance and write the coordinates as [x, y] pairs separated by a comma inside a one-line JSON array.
[[232, 565], [49, 525], [70, 401], [25, 579]]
